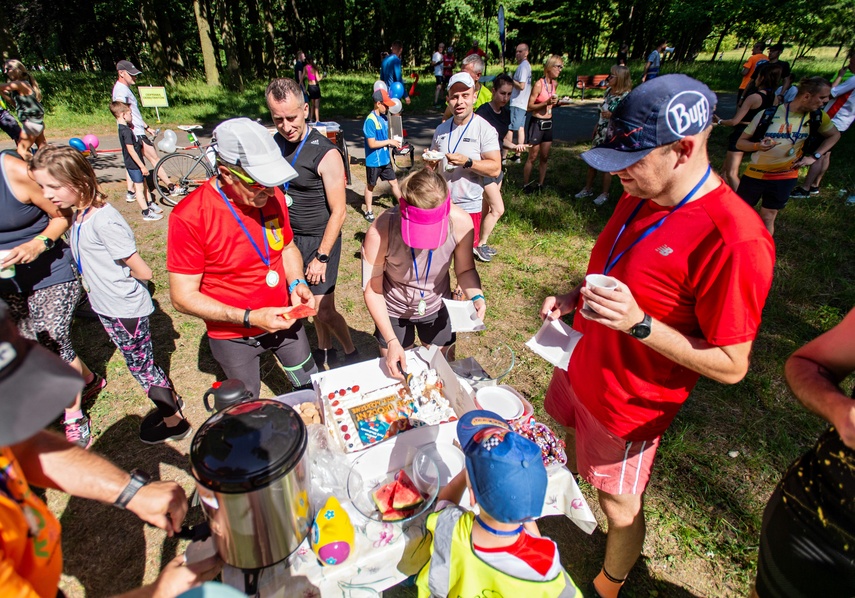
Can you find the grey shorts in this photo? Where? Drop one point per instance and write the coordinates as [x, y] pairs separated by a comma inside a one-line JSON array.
[[490, 179], [33, 129], [517, 118], [308, 247], [433, 329]]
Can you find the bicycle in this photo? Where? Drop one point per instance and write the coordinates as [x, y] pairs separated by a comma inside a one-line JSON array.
[[187, 171]]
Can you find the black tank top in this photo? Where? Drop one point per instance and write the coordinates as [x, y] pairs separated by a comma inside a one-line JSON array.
[[19, 223], [768, 99], [310, 211]]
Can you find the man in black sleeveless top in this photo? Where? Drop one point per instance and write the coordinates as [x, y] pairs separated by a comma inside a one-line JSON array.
[[317, 209]]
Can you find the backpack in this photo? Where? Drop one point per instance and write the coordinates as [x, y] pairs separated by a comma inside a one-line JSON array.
[[814, 139]]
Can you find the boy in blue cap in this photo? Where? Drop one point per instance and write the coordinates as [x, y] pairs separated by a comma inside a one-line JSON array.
[[500, 550]]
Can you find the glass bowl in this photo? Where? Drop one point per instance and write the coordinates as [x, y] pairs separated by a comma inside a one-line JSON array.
[[365, 477], [485, 366]]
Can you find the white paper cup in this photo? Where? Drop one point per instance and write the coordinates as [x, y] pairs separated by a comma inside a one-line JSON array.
[[593, 281], [398, 138], [9, 271]]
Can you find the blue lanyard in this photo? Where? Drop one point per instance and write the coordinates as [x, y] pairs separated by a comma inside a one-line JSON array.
[[264, 258], [297, 155], [427, 272], [789, 128], [77, 242], [610, 263], [461, 135]]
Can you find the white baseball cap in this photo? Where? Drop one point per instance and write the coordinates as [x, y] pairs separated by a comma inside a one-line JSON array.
[[462, 77], [245, 143]]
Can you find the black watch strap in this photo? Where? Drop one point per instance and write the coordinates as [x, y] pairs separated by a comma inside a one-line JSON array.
[[139, 478], [323, 257], [642, 330], [468, 163]]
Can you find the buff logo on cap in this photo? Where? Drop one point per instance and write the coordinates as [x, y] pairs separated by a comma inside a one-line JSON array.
[[688, 113]]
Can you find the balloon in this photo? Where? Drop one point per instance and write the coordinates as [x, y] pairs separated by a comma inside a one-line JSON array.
[[380, 85], [397, 90], [166, 146], [90, 140], [397, 107], [170, 136], [77, 144]]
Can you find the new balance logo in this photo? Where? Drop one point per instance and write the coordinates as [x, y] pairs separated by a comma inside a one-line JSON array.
[[664, 250]]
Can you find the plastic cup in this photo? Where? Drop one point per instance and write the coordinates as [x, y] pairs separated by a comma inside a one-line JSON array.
[[8, 271], [593, 281]]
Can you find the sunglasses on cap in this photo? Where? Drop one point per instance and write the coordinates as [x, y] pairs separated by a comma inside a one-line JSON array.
[[249, 181]]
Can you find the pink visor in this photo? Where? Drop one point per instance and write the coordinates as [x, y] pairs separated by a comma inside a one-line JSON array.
[[425, 229]]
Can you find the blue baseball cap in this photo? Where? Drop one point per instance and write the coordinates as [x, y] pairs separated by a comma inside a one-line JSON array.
[[506, 470], [656, 113]]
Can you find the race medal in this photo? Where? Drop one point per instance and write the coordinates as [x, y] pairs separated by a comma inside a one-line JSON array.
[[272, 278], [422, 307], [791, 151], [289, 201], [85, 284]]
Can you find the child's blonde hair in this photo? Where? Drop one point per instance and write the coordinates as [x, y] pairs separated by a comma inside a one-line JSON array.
[[424, 189], [119, 108], [71, 169], [18, 72]]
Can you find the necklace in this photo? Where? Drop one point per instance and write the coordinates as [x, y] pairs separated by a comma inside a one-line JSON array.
[[422, 303], [450, 167], [77, 249], [288, 200], [497, 532], [793, 138]]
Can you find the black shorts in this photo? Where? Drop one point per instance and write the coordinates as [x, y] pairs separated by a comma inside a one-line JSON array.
[[734, 137], [10, 125], [308, 247], [145, 139], [384, 173], [440, 80], [539, 131], [314, 92], [433, 329], [773, 193], [796, 559]]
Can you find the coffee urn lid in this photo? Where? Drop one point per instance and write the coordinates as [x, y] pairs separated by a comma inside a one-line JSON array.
[[247, 446]]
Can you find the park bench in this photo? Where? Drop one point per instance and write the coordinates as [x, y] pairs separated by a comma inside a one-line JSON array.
[[584, 82]]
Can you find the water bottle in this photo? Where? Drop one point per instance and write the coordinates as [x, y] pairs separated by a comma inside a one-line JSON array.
[[226, 393]]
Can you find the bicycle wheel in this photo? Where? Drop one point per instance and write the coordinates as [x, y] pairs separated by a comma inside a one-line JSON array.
[[186, 171]]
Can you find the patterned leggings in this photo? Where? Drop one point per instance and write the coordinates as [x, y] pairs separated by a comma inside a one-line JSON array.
[[45, 316]]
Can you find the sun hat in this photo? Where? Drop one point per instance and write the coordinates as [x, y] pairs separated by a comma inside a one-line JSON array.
[[462, 77], [35, 384], [127, 65], [425, 228], [656, 113], [505, 470], [381, 95], [245, 143]]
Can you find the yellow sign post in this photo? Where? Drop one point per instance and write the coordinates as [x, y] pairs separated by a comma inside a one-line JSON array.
[[153, 97]]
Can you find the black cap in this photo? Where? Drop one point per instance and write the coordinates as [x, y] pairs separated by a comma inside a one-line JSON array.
[[127, 65]]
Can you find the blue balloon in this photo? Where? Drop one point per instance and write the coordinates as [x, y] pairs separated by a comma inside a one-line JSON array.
[[77, 144], [397, 90]]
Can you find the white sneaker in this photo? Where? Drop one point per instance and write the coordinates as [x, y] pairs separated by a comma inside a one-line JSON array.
[[601, 199], [130, 197], [151, 215], [155, 208], [584, 193]]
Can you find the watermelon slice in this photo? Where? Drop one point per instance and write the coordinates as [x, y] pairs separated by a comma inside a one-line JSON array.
[[396, 515], [383, 497], [406, 495]]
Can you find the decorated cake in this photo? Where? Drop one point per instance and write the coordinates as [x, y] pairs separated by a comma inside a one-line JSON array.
[[362, 419]]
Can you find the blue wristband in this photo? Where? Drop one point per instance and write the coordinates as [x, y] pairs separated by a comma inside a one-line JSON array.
[[478, 296], [294, 284]]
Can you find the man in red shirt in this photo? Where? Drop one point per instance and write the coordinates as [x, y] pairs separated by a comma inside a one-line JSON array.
[[693, 270], [232, 260]]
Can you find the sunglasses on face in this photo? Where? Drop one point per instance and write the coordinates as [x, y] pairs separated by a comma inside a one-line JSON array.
[[249, 181], [560, 67]]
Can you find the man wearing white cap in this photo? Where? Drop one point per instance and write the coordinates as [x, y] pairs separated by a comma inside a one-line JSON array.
[[471, 150], [232, 259]]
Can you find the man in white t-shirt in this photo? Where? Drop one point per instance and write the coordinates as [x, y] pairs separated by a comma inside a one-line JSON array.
[[471, 148], [841, 109], [521, 93], [127, 76], [436, 65]]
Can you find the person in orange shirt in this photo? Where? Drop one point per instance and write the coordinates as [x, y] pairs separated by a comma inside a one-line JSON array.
[[35, 386], [757, 56]]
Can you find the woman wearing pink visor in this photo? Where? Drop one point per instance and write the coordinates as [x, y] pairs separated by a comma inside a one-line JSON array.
[[406, 258]]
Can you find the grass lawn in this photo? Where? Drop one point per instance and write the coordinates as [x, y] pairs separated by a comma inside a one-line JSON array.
[[719, 460]]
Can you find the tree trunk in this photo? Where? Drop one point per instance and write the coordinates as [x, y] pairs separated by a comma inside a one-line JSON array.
[[230, 46], [243, 54], [212, 76], [8, 45], [720, 40], [254, 33], [149, 21], [271, 64]]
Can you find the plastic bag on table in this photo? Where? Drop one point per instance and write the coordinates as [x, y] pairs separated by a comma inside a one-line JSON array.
[[328, 467]]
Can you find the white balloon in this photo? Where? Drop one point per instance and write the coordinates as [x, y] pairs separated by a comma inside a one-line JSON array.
[[170, 136], [397, 107], [166, 147], [380, 85], [161, 145]]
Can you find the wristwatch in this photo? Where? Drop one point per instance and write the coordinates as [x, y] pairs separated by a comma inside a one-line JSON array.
[[139, 478], [323, 257], [49, 243], [468, 163], [817, 156], [641, 330]]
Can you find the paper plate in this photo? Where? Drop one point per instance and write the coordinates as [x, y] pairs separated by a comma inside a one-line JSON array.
[[501, 401]]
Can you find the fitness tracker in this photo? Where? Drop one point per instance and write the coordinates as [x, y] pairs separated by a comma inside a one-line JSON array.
[[641, 330], [139, 478], [49, 243], [294, 284], [323, 257], [468, 163]]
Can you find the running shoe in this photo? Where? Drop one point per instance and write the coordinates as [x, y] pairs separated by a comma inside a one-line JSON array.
[[601, 199], [77, 431], [369, 216], [155, 208], [151, 215], [130, 197], [481, 255], [174, 190], [799, 193], [584, 193], [93, 389], [489, 250], [153, 430], [814, 190], [531, 188]]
